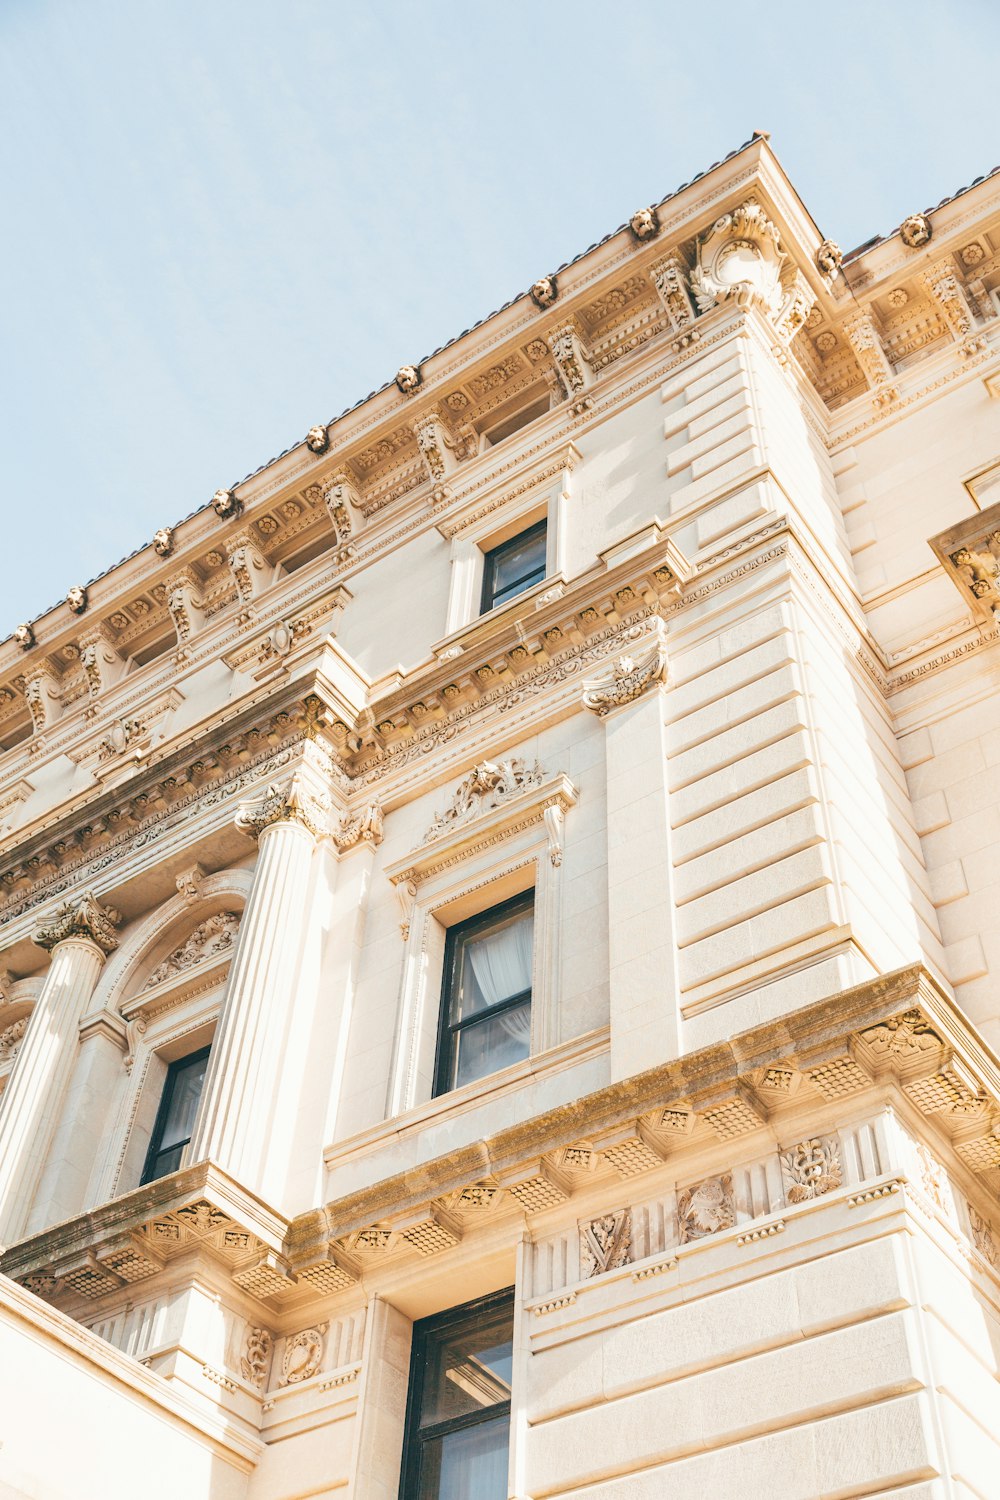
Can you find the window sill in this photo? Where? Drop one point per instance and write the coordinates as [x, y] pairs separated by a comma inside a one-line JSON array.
[[446, 1108]]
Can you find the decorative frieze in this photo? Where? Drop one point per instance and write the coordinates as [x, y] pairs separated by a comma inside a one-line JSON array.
[[706, 1208], [606, 1243], [81, 917], [811, 1168]]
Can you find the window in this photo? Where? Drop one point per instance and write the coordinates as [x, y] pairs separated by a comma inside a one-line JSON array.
[[513, 567], [486, 1003], [176, 1115], [458, 1411]]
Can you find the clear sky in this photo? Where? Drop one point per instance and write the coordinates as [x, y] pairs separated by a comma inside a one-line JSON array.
[[226, 220]]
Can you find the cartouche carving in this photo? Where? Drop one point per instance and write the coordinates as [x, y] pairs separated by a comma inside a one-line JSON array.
[[742, 260], [632, 672], [487, 785], [210, 938], [82, 917], [303, 1354]]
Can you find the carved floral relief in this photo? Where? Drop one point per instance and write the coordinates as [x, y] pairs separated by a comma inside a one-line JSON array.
[[213, 936]]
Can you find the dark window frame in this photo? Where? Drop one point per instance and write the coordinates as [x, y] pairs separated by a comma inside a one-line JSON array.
[[154, 1149], [415, 1437], [447, 1029], [487, 599]]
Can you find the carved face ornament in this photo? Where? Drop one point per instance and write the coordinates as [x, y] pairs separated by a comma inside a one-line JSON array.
[[25, 637], [163, 541], [829, 257], [644, 223], [318, 439], [77, 599], [408, 378], [543, 292], [915, 231]]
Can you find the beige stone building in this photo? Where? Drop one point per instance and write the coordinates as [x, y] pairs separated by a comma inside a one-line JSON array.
[[500, 958]]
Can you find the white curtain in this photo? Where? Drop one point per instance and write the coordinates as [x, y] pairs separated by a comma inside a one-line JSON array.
[[501, 964]]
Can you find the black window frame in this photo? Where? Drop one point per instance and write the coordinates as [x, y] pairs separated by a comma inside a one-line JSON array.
[[424, 1331], [495, 555], [448, 1029], [154, 1149]]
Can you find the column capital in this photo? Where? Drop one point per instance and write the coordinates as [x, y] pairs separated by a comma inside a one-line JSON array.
[[81, 917], [630, 674], [282, 804]]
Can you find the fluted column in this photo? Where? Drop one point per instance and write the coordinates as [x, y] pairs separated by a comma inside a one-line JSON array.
[[240, 1098], [79, 936]]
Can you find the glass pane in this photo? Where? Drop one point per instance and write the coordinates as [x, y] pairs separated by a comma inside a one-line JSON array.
[[468, 1465], [166, 1161], [185, 1091], [493, 1043], [468, 1368], [493, 965], [517, 565]]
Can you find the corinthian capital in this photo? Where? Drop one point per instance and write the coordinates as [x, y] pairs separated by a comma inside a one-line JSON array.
[[631, 673], [281, 804], [82, 917]]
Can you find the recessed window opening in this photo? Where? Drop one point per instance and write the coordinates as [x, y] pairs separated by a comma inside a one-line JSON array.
[[513, 567], [458, 1410], [516, 420], [486, 1002], [176, 1116]]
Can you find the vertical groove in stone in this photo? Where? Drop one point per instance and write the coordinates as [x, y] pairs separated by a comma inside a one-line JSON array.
[[33, 1097], [247, 1055]]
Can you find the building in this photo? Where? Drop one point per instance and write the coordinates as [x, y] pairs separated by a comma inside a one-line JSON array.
[[498, 911]]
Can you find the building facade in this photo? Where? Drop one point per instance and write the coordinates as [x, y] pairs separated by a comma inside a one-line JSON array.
[[500, 969]]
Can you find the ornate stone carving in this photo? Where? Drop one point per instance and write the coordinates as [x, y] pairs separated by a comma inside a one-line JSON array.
[[318, 439], [122, 735], [408, 379], [670, 279], [189, 883], [102, 664], [742, 260], [970, 554], [915, 231], [11, 1038], [829, 258], [163, 541], [949, 294], [811, 1168], [364, 827], [437, 447], [606, 1243], [340, 496], [280, 804], [632, 672], [554, 814], [43, 695], [185, 603], [870, 355], [982, 1234], [706, 1208], [902, 1036], [77, 599], [249, 567], [210, 938], [571, 360], [487, 785], [227, 504], [83, 917], [644, 224], [544, 291], [256, 1356], [303, 1354], [25, 637]]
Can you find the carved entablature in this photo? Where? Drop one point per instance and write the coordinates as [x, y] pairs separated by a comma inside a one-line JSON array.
[[970, 555], [743, 260], [629, 675], [211, 938], [83, 917]]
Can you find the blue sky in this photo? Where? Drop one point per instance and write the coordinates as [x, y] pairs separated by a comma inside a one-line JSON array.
[[228, 220]]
